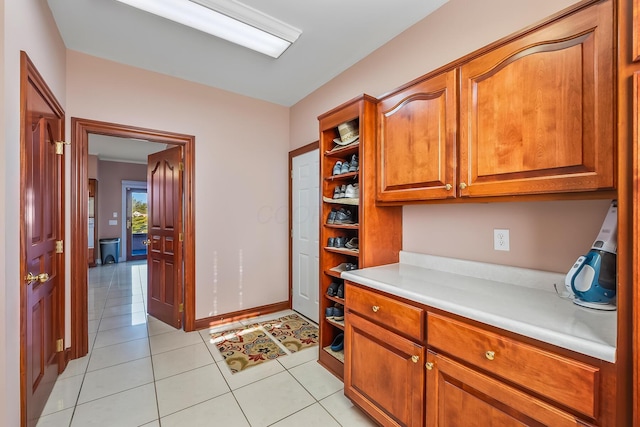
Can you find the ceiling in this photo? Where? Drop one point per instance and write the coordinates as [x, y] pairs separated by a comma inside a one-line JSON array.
[[335, 35], [113, 149]]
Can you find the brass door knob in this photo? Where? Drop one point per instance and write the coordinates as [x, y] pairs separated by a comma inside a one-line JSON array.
[[146, 242], [375, 308], [40, 277], [490, 354]]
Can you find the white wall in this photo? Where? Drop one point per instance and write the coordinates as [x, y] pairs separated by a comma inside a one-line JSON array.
[[241, 173], [27, 25], [544, 235]]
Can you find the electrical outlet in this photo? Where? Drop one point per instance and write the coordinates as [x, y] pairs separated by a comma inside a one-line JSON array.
[[500, 239]]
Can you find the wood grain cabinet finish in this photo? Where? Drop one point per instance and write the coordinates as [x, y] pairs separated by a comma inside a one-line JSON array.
[[569, 382], [537, 114], [384, 373], [458, 395], [416, 141]]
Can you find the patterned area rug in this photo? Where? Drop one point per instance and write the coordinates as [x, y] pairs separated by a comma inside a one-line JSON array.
[[293, 332], [246, 347]]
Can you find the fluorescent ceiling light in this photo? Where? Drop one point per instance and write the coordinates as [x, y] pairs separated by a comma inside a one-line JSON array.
[[226, 19]]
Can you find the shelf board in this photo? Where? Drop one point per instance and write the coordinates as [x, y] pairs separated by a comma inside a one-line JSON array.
[[343, 151], [333, 273], [342, 251], [343, 226], [341, 177], [337, 323], [337, 354], [335, 299], [343, 201]]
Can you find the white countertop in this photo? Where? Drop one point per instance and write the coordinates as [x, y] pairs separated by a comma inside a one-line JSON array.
[[488, 293]]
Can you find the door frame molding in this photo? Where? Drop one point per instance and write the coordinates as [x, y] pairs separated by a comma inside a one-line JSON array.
[[80, 130], [295, 153]]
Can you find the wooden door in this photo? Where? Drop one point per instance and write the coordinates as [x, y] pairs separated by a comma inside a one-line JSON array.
[[164, 257], [416, 142], [536, 115], [458, 396], [42, 266], [384, 373], [305, 198]]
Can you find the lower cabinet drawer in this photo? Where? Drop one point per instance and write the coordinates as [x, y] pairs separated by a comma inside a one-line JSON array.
[[566, 381], [393, 314]]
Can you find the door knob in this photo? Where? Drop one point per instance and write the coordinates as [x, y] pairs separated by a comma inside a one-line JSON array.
[[40, 277], [146, 242]]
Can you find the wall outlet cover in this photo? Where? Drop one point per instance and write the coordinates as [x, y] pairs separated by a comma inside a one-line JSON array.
[[501, 239]]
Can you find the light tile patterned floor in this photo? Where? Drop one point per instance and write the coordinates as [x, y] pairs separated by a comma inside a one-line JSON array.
[[141, 372]]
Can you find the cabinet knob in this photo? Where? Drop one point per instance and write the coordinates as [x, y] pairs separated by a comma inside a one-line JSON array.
[[415, 358], [463, 185], [375, 308], [429, 366], [490, 354], [448, 187]]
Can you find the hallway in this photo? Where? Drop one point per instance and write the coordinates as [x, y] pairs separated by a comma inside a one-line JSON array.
[[141, 372]]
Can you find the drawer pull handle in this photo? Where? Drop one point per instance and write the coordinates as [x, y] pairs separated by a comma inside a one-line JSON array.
[[490, 355], [429, 366], [415, 359], [375, 308]]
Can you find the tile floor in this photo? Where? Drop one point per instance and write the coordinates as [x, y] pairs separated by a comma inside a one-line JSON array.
[[141, 372]]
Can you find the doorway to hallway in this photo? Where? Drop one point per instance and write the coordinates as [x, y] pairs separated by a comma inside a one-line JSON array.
[[81, 129], [136, 223]]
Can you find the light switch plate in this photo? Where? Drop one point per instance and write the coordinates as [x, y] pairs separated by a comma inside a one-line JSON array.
[[113, 222]]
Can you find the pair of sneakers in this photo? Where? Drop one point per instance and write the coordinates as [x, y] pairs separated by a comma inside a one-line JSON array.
[[345, 167], [336, 290], [334, 313], [340, 216], [350, 191]]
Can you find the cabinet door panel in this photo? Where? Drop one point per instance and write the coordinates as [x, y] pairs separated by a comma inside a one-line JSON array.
[[416, 142], [459, 396], [382, 376], [536, 115]]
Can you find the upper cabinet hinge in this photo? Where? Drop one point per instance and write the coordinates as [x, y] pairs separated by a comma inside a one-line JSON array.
[[60, 146], [181, 308], [181, 237], [59, 246], [59, 345], [181, 166]]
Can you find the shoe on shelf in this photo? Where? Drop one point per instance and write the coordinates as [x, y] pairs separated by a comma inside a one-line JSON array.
[[353, 165], [343, 216], [352, 244], [333, 289], [336, 192], [344, 168], [337, 168], [338, 312], [340, 291], [339, 242], [350, 266], [343, 191], [328, 313], [352, 191], [332, 216], [338, 342], [331, 241]]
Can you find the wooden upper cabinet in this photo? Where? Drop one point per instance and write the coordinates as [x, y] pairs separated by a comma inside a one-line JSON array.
[[537, 114], [416, 141]]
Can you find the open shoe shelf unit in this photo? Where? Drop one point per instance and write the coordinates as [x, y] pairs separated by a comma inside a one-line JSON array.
[[378, 229]]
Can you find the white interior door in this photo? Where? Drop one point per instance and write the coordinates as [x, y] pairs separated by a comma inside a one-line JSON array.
[[305, 246]]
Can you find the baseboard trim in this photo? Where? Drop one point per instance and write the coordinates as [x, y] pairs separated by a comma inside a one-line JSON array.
[[208, 322]]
